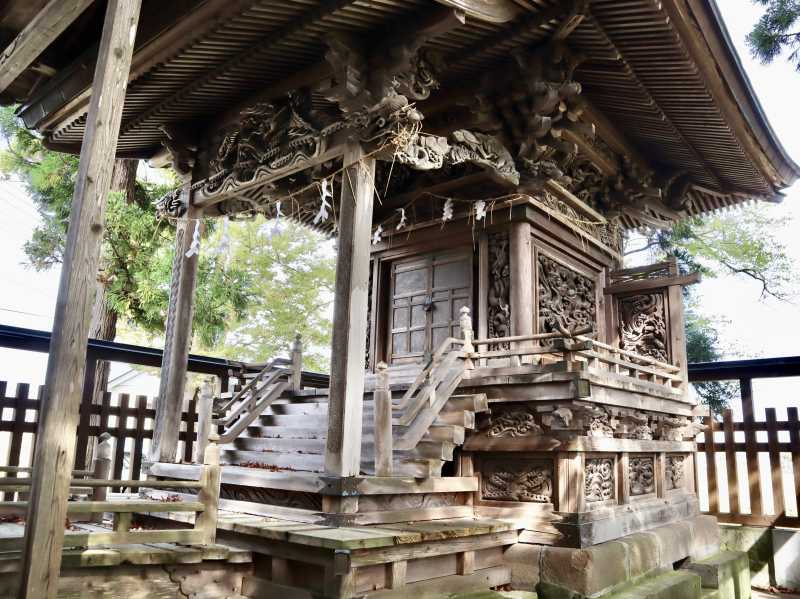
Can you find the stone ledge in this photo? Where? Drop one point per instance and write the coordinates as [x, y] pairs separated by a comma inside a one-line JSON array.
[[726, 571]]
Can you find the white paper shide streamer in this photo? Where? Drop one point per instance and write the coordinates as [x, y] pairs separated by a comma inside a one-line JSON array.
[[194, 248], [447, 210], [402, 222], [376, 236], [324, 205], [480, 210]]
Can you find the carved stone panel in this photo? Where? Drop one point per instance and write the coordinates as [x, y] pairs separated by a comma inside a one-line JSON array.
[[643, 325], [499, 309], [641, 475], [567, 300], [599, 479], [518, 480], [674, 472]]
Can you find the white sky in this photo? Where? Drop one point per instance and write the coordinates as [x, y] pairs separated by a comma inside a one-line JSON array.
[[756, 328]]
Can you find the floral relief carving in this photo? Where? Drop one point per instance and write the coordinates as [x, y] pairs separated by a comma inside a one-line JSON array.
[[529, 481], [674, 471], [514, 422], [567, 302], [601, 424], [641, 475], [599, 479], [499, 312], [643, 325]]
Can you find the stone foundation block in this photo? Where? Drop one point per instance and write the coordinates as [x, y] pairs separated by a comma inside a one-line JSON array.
[[671, 585], [524, 562], [726, 571], [588, 572]]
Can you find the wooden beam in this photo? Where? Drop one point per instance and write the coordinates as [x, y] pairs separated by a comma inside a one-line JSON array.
[[169, 406], [343, 448], [642, 285], [42, 31], [55, 445], [521, 265]]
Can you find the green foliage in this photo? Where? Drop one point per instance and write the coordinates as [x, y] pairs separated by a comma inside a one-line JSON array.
[[776, 30], [703, 345], [730, 243], [293, 278], [137, 248]]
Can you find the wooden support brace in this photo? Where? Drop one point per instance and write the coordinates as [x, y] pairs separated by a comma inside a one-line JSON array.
[[383, 422]]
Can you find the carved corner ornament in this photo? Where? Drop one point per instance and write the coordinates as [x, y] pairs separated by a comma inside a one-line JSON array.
[[513, 422]]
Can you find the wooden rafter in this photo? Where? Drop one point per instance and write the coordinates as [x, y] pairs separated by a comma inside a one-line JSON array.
[[42, 31]]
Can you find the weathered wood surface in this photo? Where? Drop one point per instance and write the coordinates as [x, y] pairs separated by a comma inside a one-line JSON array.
[[40, 32], [178, 338], [343, 449], [55, 446]]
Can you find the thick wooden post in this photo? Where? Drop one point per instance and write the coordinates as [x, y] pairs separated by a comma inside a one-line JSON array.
[[177, 342], [55, 444], [382, 399], [101, 470], [521, 293], [205, 409], [297, 363], [343, 448]]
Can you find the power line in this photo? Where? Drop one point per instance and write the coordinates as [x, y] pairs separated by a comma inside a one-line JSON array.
[[22, 312]]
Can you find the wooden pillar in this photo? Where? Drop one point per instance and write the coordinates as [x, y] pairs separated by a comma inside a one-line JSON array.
[[382, 408], [343, 448], [55, 444], [521, 292], [177, 342]]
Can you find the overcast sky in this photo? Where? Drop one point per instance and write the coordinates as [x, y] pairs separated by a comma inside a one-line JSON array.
[[756, 328]]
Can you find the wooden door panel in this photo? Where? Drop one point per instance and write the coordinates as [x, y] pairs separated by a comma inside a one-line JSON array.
[[427, 294]]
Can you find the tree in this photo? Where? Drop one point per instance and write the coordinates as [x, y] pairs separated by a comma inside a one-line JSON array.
[[732, 243], [293, 277], [133, 280], [776, 30]]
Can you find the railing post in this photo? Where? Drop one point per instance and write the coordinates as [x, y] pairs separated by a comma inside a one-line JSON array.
[[206, 521], [297, 363], [465, 322], [101, 470], [382, 399], [205, 409]]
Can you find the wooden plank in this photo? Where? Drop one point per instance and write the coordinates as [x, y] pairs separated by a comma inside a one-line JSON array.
[[190, 416], [711, 466], [794, 439], [86, 411], [38, 34], [343, 448], [55, 446], [15, 444], [753, 469], [521, 267], [382, 399], [776, 472], [138, 440], [645, 284], [178, 336], [122, 427], [730, 462]]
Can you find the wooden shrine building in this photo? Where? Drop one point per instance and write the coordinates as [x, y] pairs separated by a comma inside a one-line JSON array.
[[499, 382]]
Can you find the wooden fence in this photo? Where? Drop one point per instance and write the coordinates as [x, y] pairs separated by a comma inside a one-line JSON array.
[[127, 419], [751, 462]]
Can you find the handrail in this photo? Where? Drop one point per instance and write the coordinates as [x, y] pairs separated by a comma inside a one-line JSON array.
[[253, 406], [268, 369], [425, 372]]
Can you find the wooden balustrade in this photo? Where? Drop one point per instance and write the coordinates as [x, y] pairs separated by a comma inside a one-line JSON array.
[[746, 461], [122, 508]]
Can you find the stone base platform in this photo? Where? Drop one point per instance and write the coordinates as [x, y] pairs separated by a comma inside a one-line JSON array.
[[677, 560]]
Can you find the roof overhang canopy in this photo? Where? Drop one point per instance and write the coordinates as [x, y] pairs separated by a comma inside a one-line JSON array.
[[665, 113]]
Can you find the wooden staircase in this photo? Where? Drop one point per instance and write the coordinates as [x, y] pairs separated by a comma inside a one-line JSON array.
[[290, 435], [270, 426]]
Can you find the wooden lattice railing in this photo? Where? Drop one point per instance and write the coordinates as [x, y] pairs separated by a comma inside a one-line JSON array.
[[93, 502], [746, 464]]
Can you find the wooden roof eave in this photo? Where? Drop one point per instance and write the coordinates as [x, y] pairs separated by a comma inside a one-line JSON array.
[[701, 27]]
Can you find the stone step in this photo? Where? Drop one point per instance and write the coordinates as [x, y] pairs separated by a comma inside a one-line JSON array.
[[726, 571], [671, 585]]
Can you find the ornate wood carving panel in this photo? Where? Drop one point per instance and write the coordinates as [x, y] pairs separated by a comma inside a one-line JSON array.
[[643, 325], [599, 479], [499, 311], [674, 472], [515, 421], [641, 475], [567, 299], [518, 480]]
